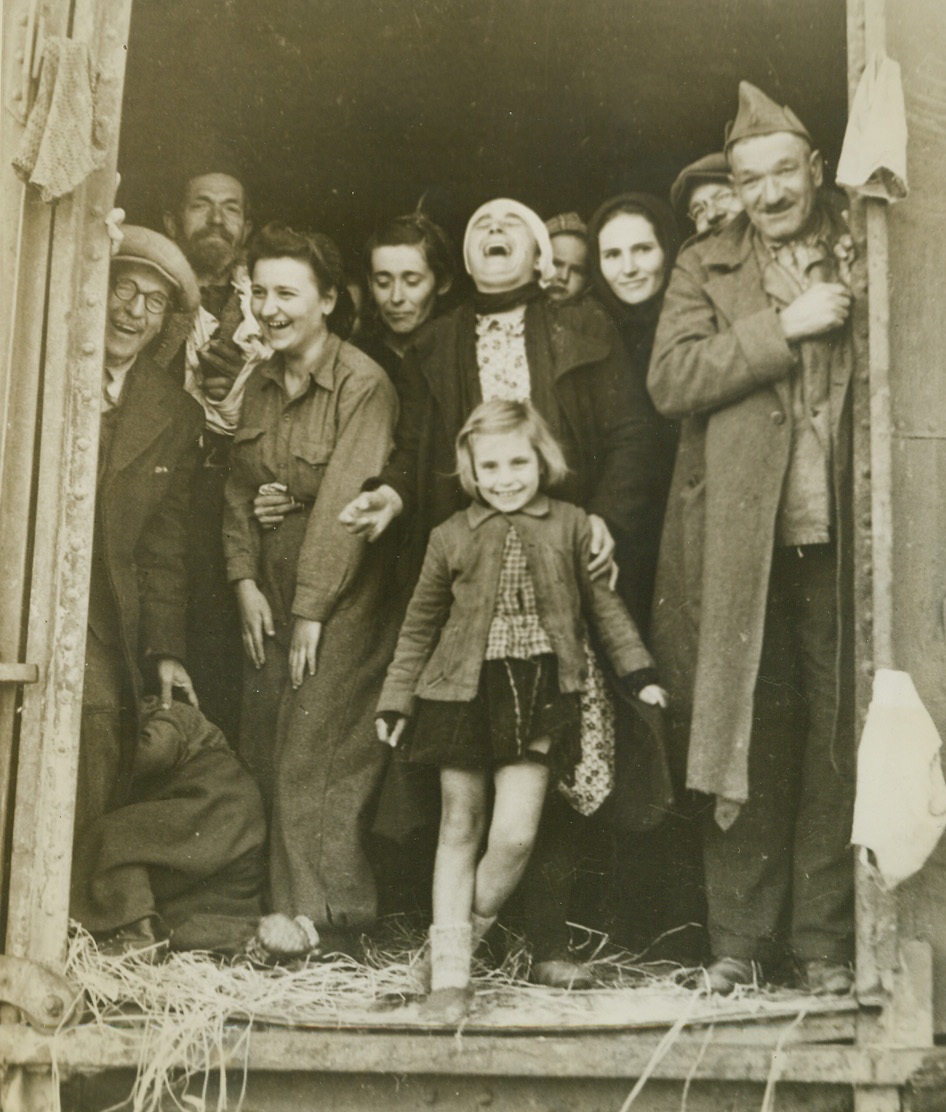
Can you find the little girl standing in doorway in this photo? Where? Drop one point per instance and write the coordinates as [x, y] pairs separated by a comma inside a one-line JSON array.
[[489, 667]]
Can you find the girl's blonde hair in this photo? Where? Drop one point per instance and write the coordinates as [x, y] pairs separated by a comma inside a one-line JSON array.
[[500, 416]]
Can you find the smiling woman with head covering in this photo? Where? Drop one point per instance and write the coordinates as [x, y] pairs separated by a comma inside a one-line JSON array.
[[633, 240], [510, 342]]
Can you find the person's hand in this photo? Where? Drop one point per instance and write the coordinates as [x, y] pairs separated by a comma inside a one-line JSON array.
[[220, 363], [271, 505], [390, 734], [653, 695], [113, 225], [303, 650], [602, 551], [372, 512], [256, 620], [171, 674], [821, 308]]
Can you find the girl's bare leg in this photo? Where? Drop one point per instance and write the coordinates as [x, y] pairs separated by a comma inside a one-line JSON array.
[[462, 820], [517, 809]]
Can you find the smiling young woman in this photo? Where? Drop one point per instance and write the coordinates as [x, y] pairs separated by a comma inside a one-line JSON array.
[[317, 421]]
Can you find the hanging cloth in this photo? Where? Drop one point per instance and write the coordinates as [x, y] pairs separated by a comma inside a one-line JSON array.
[[61, 144], [873, 158], [900, 807]]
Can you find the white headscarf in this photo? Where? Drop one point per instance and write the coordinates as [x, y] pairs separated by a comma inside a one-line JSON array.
[[531, 219]]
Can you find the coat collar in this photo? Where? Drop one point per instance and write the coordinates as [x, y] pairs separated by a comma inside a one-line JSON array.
[[728, 249], [478, 512]]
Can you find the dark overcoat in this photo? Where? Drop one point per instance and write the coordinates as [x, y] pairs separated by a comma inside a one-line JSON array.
[[722, 366], [141, 512], [579, 378]]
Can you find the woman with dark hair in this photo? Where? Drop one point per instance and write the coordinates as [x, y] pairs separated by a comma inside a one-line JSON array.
[[317, 421], [410, 266], [633, 240]]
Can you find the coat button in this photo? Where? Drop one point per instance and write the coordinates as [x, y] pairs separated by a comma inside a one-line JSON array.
[[778, 417]]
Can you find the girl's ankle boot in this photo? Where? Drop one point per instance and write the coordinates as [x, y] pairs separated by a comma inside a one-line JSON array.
[[451, 993]]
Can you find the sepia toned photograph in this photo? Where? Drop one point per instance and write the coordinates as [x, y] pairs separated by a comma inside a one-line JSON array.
[[473, 610]]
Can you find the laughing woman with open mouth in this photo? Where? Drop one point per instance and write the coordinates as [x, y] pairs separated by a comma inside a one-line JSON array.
[[317, 421]]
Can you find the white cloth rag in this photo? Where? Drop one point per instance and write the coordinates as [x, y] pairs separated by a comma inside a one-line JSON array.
[[900, 807], [873, 158]]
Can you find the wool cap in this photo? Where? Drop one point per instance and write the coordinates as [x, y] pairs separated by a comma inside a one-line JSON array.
[[149, 248], [532, 221], [758, 114], [567, 223], [711, 167]]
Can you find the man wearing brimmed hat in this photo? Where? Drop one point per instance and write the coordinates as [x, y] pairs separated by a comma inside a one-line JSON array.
[[147, 452], [569, 236], [703, 192], [751, 629]]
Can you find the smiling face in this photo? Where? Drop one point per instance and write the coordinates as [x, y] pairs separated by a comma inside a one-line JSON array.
[[286, 300], [712, 204], [777, 178], [507, 469], [570, 259], [631, 259], [502, 252], [211, 226], [403, 287], [130, 325]]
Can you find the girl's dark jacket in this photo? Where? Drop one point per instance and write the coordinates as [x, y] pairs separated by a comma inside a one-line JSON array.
[[580, 385], [443, 639]]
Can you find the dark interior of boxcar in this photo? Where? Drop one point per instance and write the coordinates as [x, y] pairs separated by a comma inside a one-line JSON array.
[[346, 112]]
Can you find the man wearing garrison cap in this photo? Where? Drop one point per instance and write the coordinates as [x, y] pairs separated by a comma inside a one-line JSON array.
[[751, 628], [147, 454]]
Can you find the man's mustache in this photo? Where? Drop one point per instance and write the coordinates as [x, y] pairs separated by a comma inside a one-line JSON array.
[[217, 231]]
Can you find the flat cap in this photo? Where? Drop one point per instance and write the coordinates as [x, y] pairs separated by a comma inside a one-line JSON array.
[[149, 248], [711, 167], [567, 223], [758, 114]]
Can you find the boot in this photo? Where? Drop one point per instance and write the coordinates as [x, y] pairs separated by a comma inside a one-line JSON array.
[[451, 993], [419, 970]]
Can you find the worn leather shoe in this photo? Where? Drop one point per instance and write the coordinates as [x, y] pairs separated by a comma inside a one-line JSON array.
[[827, 978], [724, 974], [144, 937], [562, 974]]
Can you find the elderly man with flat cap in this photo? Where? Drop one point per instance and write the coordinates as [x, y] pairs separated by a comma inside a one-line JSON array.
[[751, 627], [703, 192], [147, 454]]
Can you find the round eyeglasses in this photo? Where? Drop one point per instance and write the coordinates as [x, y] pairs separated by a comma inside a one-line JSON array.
[[126, 289], [724, 200]]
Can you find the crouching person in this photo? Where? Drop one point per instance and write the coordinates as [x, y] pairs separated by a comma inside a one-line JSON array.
[[489, 667], [181, 863]]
